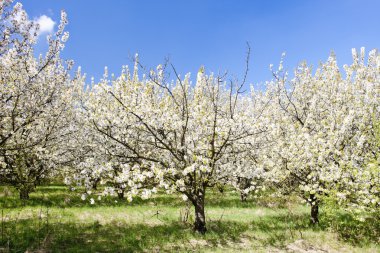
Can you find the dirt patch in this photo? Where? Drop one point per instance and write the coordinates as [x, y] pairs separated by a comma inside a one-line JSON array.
[[302, 246]]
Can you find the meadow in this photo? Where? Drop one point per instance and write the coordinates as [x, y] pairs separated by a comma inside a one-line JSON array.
[[57, 220]]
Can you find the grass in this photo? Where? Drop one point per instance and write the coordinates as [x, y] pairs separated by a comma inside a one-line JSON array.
[[56, 220]]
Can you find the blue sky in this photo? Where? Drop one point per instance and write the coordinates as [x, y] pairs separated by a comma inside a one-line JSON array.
[[212, 33]]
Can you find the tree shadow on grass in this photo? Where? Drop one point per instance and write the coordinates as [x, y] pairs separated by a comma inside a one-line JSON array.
[[352, 230], [61, 196], [38, 233], [211, 201], [32, 235], [276, 230]]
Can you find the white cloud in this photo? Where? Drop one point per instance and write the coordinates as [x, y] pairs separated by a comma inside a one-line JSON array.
[[46, 24]]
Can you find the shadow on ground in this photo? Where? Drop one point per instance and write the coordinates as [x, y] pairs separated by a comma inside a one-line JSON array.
[[61, 196], [32, 235], [38, 233]]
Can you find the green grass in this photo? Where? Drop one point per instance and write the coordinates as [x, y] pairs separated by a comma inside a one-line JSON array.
[[56, 220]]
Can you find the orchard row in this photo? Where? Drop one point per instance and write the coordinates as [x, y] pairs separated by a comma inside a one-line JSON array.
[[314, 133]]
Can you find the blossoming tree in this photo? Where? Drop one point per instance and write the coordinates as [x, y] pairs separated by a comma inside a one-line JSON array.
[[323, 122], [178, 136], [34, 100]]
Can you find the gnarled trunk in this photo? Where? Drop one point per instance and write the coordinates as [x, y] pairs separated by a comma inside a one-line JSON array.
[[24, 194], [314, 210], [198, 201], [314, 214], [243, 197], [120, 194], [95, 184], [200, 217]]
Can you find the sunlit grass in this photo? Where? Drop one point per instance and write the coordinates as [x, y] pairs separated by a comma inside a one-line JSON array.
[[57, 220]]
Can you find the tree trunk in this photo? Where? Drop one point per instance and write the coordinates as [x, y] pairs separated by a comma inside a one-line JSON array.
[[314, 210], [120, 195], [200, 217], [24, 194], [243, 197], [95, 184]]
